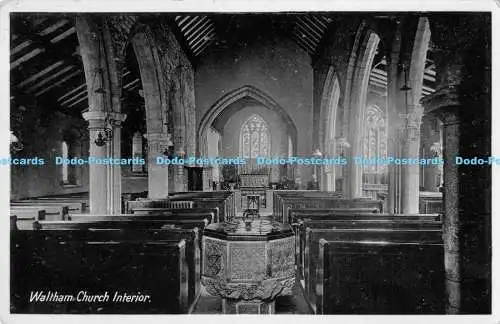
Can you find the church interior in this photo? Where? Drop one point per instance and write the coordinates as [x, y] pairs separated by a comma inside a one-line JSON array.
[[149, 233]]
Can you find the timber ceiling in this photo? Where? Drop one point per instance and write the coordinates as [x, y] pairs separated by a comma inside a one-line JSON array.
[[45, 61]]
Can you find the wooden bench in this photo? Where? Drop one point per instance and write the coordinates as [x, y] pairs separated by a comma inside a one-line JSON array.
[[327, 202], [13, 223], [211, 214], [52, 212], [192, 237], [79, 202], [72, 261], [430, 202], [73, 207], [296, 213], [313, 236], [380, 278], [368, 221], [280, 195], [25, 218], [353, 214], [224, 200], [168, 217], [104, 222]]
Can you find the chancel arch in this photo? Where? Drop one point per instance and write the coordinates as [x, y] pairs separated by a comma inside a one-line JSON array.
[[243, 93]]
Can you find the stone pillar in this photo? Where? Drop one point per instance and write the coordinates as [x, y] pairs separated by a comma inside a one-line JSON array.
[[462, 102], [115, 173], [451, 233], [157, 173], [394, 145], [410, 173], [98, 182]]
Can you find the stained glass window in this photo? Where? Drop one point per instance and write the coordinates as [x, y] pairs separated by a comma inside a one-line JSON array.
[[254, 138]]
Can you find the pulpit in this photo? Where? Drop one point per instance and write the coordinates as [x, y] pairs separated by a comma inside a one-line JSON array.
[[248, 264]]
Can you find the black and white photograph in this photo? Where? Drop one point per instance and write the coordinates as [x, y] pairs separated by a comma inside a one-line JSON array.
[[268, 162]]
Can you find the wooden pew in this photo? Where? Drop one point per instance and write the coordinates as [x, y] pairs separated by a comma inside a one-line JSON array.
[[280, 195], [68, 262], [52, 211], [211, 214], [148, 203], [313, 236], [104, 222], [25, 218], [13, 223], [321, 202], [80, 202], [73, 207], [353, 221], [297, 215], [430, 202], [192, 237], [167, 217], [380, 278], [294, 213], [224, 200]]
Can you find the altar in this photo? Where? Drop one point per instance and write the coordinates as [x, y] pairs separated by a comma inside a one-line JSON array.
[[248, 263], [254, 186]]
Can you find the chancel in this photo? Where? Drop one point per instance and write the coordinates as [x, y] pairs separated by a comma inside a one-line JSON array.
[[250, 163]]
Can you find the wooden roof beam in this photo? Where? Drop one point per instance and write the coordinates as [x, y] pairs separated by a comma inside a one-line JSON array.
[[77, 96], [196, 33], [40, 74], [26, 58], [77, 102], [72, 91], [58, 83], [308, 33], [51, 77], [63, 35]]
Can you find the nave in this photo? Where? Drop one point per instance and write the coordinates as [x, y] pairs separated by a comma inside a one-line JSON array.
[[147, 237]]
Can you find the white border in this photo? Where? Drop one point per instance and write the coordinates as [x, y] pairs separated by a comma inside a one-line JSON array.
[[233, 6]]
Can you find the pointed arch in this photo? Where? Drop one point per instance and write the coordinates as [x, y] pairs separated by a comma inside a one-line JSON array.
[[234, 96], [329, 112], [363, 55]]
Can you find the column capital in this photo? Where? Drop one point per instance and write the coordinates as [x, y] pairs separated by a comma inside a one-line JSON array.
[[94, 115]]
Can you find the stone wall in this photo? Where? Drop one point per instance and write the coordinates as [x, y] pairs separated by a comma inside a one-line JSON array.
[[42, 131]]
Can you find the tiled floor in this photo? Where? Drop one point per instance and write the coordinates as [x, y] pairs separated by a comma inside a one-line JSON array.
[[294, 304]]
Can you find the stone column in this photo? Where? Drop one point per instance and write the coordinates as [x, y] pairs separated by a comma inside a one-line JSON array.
[[410, 173], [451, 132], [394, 201], [98, 182], [157, 173], [462, 102], [115, 173]]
